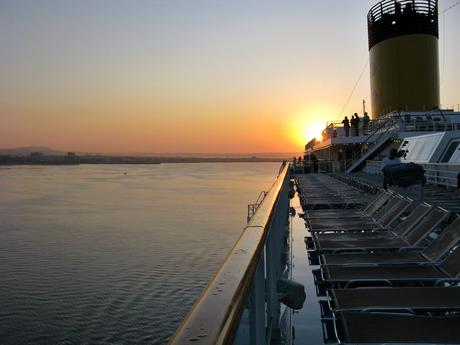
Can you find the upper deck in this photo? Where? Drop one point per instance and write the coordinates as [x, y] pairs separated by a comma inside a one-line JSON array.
[[395, 123]]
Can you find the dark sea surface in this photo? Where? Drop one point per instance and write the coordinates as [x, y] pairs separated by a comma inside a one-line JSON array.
[[115, 254]]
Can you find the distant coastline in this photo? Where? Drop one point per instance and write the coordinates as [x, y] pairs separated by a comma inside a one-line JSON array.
[[76, 160], [46, 156]]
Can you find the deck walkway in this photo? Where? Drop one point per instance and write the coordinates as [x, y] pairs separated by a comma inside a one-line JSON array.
[[306, 321]]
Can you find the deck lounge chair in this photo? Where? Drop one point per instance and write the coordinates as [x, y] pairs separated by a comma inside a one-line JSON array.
[[395, 212], [411, 239], [392, 210], [385, 328], [404, 226], [367, 211], [436, 298], [362, 224], [400, 230], [432, 253], [380, 212], [325, 194], [398, 275]]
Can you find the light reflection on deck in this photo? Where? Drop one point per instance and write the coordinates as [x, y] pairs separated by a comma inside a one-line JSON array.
[[307, 321]]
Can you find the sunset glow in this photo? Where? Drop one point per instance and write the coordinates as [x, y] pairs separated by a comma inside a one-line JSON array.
[[308, 122], [303, 130], [177, 77], [314, 130]]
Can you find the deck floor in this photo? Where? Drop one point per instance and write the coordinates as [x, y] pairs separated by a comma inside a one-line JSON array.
[[307, 321], [317, 192]]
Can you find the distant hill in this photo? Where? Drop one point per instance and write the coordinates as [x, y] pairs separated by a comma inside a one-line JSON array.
[[25, 151]]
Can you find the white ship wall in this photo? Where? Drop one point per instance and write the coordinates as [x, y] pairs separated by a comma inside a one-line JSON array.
[[420, 149], [439, 147], [456, 154]]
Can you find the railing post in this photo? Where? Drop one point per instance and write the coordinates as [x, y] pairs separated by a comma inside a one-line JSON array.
[[257, 315], [271, 267], [274, 248]]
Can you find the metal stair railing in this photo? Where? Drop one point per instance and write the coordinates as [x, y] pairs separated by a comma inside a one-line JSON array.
[[378, 137]]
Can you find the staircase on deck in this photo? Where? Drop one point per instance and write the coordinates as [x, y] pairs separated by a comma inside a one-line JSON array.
[[374, 142]]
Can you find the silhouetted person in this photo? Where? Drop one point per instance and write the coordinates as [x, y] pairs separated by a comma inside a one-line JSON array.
[[314, 159], [352, 125], [356, 124], [346, 126], [392, 159], [366, 121]]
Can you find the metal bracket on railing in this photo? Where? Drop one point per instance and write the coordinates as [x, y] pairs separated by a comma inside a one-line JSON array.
[[252, 208]]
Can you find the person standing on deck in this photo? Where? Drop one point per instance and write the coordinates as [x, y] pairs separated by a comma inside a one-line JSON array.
[[346, 126], [366, 121], [353, 125], [314, 159], [356, 125], [392, 159]]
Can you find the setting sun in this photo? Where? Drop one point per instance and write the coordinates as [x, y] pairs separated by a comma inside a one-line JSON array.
[[313, 130], [308, 123]]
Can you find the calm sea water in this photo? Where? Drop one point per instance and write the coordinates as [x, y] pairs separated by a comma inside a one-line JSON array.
[[115, 254]]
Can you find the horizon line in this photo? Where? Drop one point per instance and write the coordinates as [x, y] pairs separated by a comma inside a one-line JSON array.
[[38, 147]]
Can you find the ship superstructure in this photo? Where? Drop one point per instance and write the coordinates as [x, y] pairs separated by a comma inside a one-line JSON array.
[[406, 113]]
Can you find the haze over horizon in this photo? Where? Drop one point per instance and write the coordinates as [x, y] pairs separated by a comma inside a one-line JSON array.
[[27, 150], [176, 76]]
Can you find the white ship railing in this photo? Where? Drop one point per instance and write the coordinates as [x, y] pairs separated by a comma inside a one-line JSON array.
[[320, 166], [401, 121], [247, 277], [405, 122], [440, 174]]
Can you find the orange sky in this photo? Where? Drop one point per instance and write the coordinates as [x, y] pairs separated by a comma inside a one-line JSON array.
[[168, 77], [266, 122]]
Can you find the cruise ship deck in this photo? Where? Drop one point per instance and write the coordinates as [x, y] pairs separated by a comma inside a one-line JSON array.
[[330, 257], [338, 282]]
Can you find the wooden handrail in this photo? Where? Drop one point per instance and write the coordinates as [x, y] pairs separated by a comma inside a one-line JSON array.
[[215, 316]]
